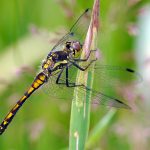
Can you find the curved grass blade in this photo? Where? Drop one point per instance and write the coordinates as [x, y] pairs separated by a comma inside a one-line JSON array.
[[79, 122]]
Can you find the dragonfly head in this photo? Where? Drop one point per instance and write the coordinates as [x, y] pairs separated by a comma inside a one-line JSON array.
[[76, 46]]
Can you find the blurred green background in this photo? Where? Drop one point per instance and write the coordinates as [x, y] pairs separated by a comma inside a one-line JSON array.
[[27, 32]]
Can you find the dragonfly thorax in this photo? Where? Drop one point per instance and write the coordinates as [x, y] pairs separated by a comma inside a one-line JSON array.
[[54, 62]]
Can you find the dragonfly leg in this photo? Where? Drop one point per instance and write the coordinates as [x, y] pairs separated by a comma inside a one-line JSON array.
[[79, 59], [58, 78], [81, 68], [67, 74], [67, 83]]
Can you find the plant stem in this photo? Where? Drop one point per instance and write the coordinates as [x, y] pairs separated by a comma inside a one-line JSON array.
[[80, 111]]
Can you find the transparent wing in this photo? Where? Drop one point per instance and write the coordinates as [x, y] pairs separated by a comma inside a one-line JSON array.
[[100, 98], [79, 29], [108, 75], [77, 32], [107, 83]]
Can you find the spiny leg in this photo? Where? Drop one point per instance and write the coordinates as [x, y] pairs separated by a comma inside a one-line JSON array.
[[40, 79]]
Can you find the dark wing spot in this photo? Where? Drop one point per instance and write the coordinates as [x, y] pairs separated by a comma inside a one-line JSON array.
[[123, 104], [119, 101], [87, 10], [71, 33], [129, 70]]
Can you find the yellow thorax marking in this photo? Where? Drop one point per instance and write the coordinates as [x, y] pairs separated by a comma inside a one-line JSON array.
[[60, 62], [46, 66]]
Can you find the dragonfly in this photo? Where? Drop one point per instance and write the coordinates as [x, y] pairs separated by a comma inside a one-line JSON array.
[[63, 56]]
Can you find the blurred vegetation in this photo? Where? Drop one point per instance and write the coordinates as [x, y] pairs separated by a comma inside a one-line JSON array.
[[43, 122]]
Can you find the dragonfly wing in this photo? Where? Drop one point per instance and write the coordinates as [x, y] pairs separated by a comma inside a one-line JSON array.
[[108, 82], [57, 91], [100, 98], [77, 32], [80, 27], [115, 77]]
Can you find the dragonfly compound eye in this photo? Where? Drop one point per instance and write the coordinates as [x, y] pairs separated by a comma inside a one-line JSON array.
[[76, 46]]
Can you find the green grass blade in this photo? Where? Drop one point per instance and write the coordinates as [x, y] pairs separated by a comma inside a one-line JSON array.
[[100, 128], [80, 112]]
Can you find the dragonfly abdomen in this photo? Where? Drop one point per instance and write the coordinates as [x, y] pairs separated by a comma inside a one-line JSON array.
[[40, 79]]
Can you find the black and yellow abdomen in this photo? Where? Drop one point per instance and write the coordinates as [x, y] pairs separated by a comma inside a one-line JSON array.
[[40, 79]]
